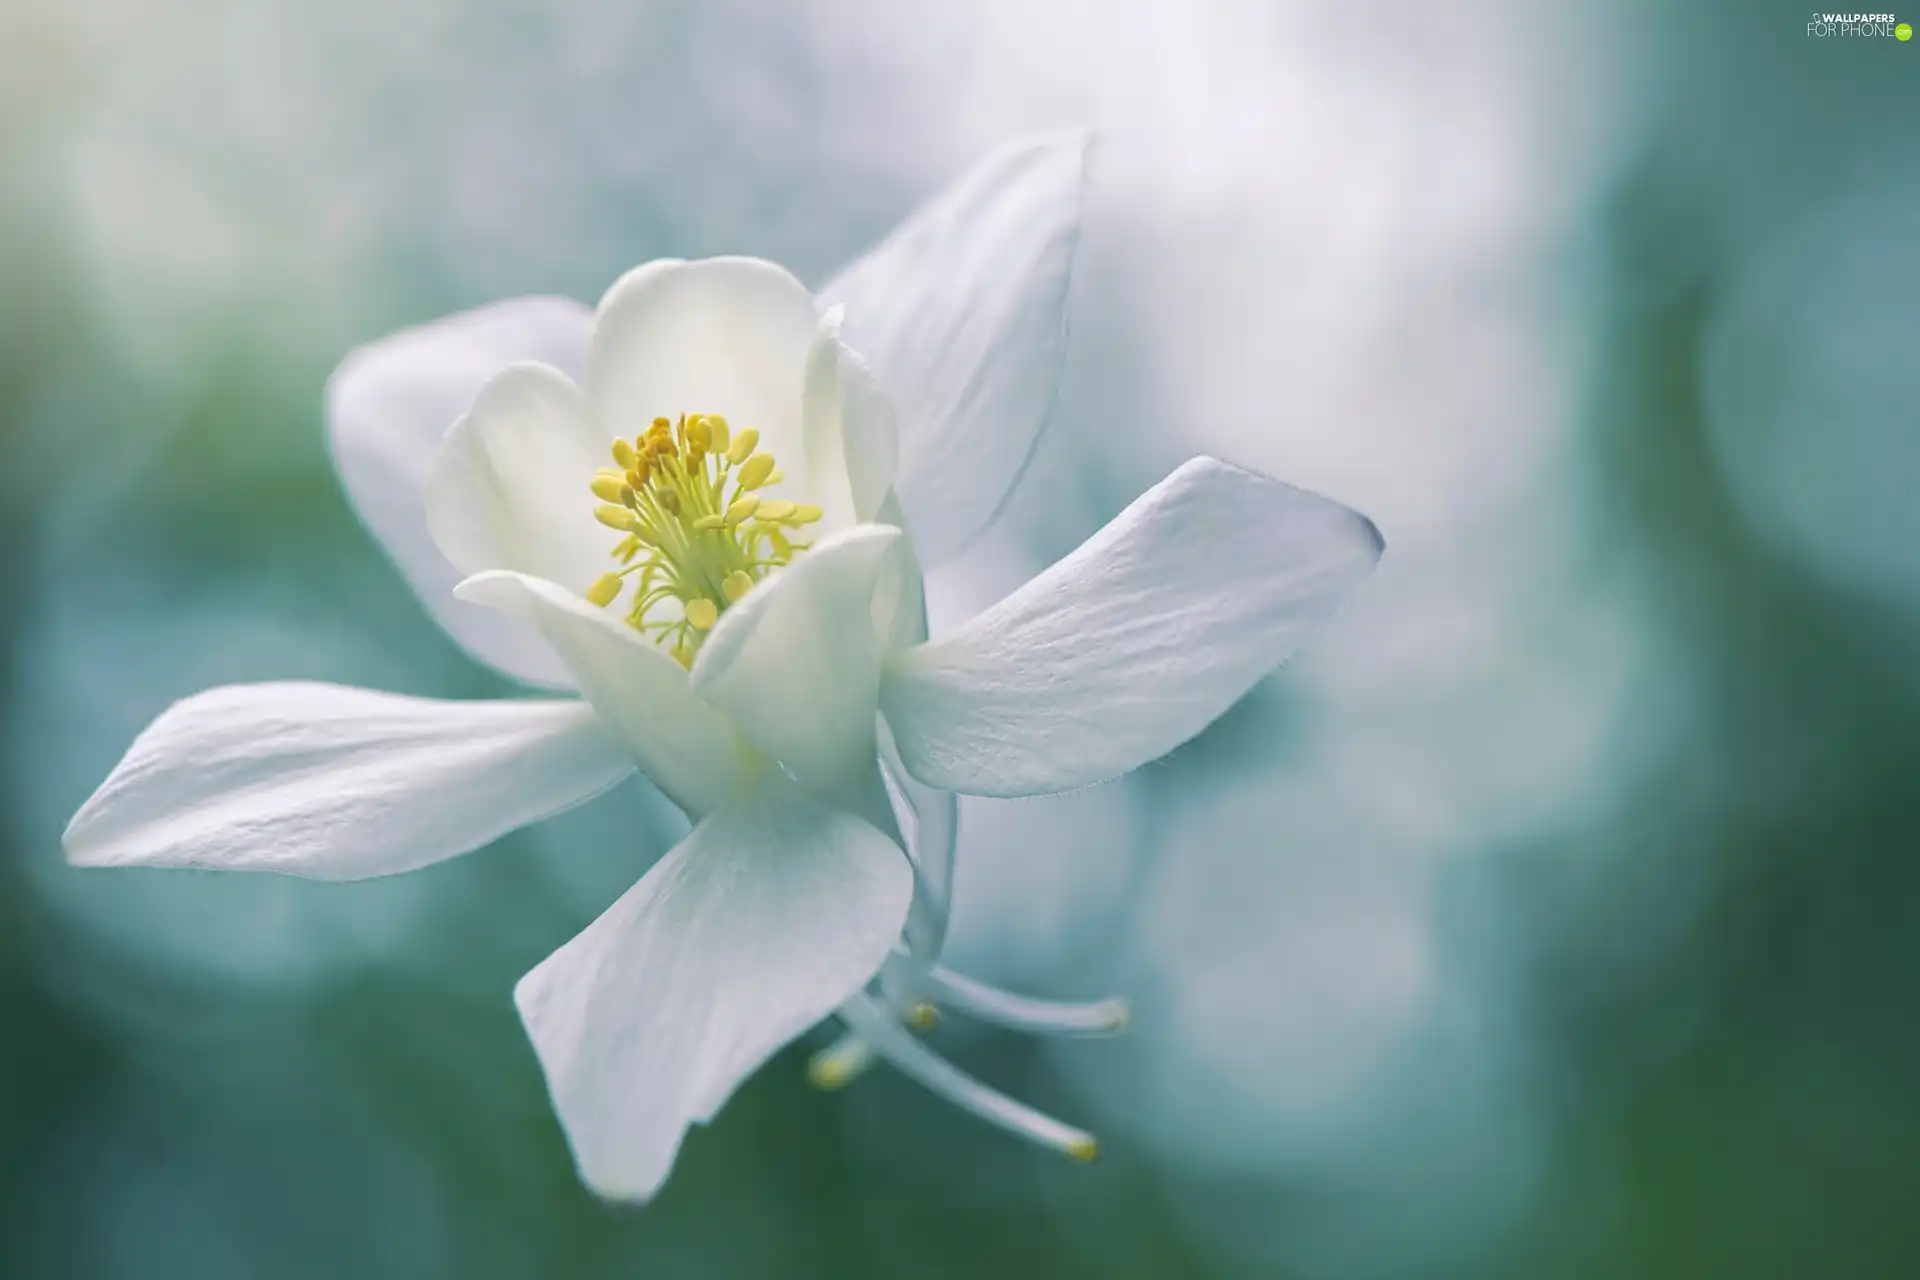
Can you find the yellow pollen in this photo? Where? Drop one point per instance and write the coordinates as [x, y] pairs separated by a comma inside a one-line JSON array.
[[615, 518], [923, 1017], [696, 538], [604, 589], [754, 472], [1084, 1149]]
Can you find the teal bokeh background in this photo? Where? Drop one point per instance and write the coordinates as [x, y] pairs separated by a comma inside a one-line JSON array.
[[1554, 916]]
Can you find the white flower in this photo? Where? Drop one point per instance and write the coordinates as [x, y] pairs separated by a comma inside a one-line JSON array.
[[622, 507]]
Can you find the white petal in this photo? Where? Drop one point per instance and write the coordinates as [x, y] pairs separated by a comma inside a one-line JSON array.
[[722, 335], [757, 925], [900, 601], [390, 404], [337, 783], [932, 829], [1133, 643], [962, 314], [851, 439], [685, 747], [796, 663], [510, 487]]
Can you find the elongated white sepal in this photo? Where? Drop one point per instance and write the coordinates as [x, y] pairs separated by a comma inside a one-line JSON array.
[[990, 1004], [879, 1029], [962, 313], [1133, 643], [336, 783], [748, 932]]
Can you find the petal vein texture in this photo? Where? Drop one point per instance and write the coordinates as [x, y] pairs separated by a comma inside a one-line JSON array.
[[761, 922], [335, 783], [1134, 642]]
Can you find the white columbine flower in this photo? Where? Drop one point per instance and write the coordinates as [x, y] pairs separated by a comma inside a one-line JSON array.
[[699, 509]]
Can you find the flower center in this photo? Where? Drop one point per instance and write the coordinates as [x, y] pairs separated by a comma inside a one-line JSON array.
[[691, 547]]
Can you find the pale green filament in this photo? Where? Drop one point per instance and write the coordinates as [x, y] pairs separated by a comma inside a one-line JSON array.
[[692, 547]]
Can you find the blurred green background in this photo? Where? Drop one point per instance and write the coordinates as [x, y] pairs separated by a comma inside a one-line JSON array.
[[1556, 915]]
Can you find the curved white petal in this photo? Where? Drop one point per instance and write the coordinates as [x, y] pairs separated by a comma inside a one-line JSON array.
[[931, 830], [852, 447], [796, 663], [684, 746], [390, 404], [931, 815], [757, 925], [721, 335], [510, 487], [900, 601], [337, 783], [1133, 643], [962, 314]]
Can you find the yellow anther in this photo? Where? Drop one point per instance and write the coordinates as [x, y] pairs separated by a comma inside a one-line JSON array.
[[777, 476], [689, 553], [604, 589], [755, 471], [1085, 1149], [923, 1017], [616, 518]]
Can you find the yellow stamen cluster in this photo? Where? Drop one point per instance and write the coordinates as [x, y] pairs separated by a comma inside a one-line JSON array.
[[689, 539]]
